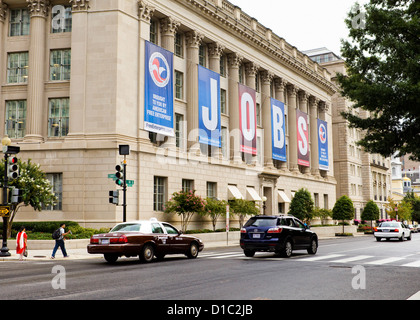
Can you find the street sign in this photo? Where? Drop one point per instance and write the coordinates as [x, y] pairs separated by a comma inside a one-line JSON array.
[[4, 211], [112, 176]]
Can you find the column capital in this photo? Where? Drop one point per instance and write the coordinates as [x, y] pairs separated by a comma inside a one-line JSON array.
[[280, 84], [267, 76], [251, 69], [324, 106], [304, 96], [235, 60], [79, 5], [169, 25], [292, 89], [38, 8], [145, 10], [194, 38], [3, 11], [216, 49]]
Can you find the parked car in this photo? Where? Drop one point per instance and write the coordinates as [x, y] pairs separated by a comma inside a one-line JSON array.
[[412, 228], [145, 239], [392, 229], [279, 234]]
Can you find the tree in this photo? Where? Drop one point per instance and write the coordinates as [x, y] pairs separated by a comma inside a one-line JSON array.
[[415, 205], [370, 212], [185, 204], [404, 209], [383, 75], [243, 208], [343, 209], [215, 209], [35, 187], [302, 205]]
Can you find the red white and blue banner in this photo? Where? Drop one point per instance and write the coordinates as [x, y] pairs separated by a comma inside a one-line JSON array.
[[159, 91], [248, 120], [209, 107], [323, 145], [303, 138], [278, 130]]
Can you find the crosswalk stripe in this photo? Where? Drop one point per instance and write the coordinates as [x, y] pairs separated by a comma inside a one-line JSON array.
[[228, 256], [331, 256], [211, 254], [352, 259], [415, 264], [385, 261]]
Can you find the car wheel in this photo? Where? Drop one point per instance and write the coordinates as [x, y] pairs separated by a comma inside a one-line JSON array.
[[288, 249], [378, 239], [314, 247], [111, 258], [249, 253], [147, 253], [402, 237], [409, 236], [192, 251]]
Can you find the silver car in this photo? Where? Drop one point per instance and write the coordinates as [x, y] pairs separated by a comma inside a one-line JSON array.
[[392, 229]]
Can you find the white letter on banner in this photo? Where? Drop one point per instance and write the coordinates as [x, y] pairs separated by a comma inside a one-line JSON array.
[[303, 143], [248, 112], [278, 133], [211, 124]]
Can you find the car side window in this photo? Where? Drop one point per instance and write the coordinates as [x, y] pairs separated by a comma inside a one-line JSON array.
[[156, 228], [169, 229], [299, 224], [289, 223]]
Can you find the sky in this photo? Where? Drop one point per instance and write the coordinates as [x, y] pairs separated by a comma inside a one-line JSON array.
[[305, 24]]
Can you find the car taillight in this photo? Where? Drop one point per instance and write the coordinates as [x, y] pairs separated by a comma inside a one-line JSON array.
[[94, 240], [375, 229], [243, 230], [396, 230], [121, 239], [275, 230]]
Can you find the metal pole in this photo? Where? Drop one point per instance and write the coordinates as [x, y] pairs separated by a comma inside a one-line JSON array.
[[5, 250], [125, 190]]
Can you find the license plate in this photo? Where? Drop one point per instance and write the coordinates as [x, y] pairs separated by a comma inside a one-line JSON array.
[[256, 236], [104, 241]]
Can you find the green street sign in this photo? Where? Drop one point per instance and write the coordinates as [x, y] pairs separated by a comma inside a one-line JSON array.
[[112, 176]]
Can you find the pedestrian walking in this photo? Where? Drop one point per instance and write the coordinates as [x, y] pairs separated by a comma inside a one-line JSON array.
[[60, 242], [21, 243]]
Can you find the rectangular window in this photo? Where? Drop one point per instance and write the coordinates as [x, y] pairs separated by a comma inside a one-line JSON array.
[[17, 67], [19, 22], [259, 120], [159, 193], [326, 201], [179, 132], [179, 45], [58, 118], [187, 185], [223, 105], [202, 55], [60, 65], [223, 65], [224, 142], [61, 19], [15, 124], [212, 190], [56, 180], [179, 85], [153, 32]]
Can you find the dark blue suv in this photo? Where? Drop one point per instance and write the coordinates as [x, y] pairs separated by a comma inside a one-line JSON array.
[[279, 234]]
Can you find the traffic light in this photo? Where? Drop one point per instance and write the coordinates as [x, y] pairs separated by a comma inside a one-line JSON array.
[[15, 196], [12, 168], [119, 175], [114, 197]]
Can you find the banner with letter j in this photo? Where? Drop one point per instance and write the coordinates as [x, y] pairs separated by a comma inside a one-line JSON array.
[[209, 107], [159, 93], [323, 145]]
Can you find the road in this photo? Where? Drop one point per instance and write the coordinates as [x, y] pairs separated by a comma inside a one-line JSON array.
[[352, 269]]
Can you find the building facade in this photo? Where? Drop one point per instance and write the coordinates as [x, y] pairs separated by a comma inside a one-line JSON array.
[[75, 83], [360, 175]]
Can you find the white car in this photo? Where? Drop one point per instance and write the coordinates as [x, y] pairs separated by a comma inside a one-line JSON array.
[[392, 229]]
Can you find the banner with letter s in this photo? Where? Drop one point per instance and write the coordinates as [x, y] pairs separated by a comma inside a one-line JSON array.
[[278, 130], [323, 145], [248, 120], [303, 138], [209, 107], [159, 92]]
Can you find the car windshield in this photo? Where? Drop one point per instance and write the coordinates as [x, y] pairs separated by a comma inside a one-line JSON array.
[[390, 224], [127, 227], [261, 222]]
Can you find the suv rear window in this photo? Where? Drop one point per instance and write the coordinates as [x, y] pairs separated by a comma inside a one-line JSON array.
[[261, 222]]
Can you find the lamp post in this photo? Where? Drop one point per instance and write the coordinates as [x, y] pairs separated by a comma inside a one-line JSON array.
[[6, 142]]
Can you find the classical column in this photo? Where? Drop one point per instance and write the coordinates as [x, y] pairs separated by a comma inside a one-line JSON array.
[[313, 123], [234, 62], [279, 86], [193, 40], [36, 112], [168, 27], [293, 152], [303, 106], [267, 77], [251, 71]]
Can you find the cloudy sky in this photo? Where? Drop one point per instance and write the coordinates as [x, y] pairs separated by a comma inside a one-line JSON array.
[[305, 24]]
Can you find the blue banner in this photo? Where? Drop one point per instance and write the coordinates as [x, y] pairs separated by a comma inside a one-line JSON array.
[[323, 145], [159, 92], [209, 107], [278, 130]]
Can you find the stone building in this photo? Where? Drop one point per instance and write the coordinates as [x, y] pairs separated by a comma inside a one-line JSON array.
[[73, 87], [360, 175]]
